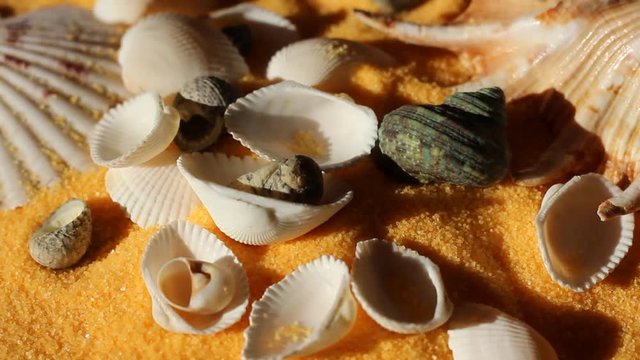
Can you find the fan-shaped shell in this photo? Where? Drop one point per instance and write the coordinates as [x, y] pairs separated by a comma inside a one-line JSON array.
[[400, 289], [120, 11], [287, 119], [264, 220], [306, 311], [577, 248], [185, 240]]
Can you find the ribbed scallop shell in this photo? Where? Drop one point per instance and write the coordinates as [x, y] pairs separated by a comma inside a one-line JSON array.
[[120, 11], [308, 310], [183, 239], [180, 49], [57, 74], [400, 289], [577, 248], [288, 118], [249, 218]]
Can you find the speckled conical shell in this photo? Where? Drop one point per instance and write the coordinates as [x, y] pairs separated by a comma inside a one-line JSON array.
[[305, 312], [578, 249], [183, 239], [462, 141], [400, 289]]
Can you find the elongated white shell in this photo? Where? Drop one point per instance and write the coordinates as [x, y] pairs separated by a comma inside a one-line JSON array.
[[183, 239], [287, 119], [152, 193], [400, 289], [179, 49], [314, 61], [480, 332], [308, 310], [134, 132], [120, 11], [263, 220], [577, 248]]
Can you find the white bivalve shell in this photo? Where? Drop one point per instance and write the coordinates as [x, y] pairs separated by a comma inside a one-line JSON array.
[[120, 11], [310, 309], [134, 132], [288, 118], [196, 284], [249, 218], [578, 249], [400, 289], [178, 48], [480, 332]]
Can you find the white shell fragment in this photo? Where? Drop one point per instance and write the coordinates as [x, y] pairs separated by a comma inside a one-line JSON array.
[[120, 11], [134, 132], [309, 310], [626, 203], [314, 61], [178, 47], [152, 193], [578, 249], [480, 332], [262, 220], [400, 289], [287, 119], [182, 257]]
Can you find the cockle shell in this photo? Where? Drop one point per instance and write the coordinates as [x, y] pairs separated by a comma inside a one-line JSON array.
[[264, 220], [480, 332], [462, 141], [164, 278], [400, 289], [64, 237], [287, 119], [120, 11], [577, 248], [308, 310]]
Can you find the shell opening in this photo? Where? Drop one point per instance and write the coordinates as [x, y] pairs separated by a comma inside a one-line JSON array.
[[63, 216]]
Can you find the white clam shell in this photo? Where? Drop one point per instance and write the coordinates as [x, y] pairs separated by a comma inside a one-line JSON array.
[[183, 239], [480, 332], [134, 132], [314, 61], [263, 220], [578, 249], [153, 193], [308, 310], [288, 118], [179, 48], [400, 289], [120, 11]]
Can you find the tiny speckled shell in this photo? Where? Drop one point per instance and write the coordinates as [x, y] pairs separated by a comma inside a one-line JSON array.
[[462, 141]]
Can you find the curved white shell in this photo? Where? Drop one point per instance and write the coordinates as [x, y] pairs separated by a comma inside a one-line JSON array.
[[180, 49], [120, 11], [400, 289], [264, 220], [287, 119], [308, 310], [314, 61], [480, 332], [153, 193], [134, 132], [578, 249], [183, 239]]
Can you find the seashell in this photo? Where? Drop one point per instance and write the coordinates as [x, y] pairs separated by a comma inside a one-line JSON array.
[[56, 76], [287, 118], [297, 317], [586, 50], [120, 11], [392, 6], [201, 104], [400, 289], [577, 248], [298, 179], [480, 332], [180, 254], [64, 237], [152, 193], [180, 48], [264, 220], [315, 61], [626, 203], [462, 141]]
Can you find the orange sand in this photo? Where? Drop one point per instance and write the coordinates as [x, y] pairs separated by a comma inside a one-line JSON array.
[[482, 239]]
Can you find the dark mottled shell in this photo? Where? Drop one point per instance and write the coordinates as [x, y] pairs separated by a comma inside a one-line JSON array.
[[462, 141], [240, 36]]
